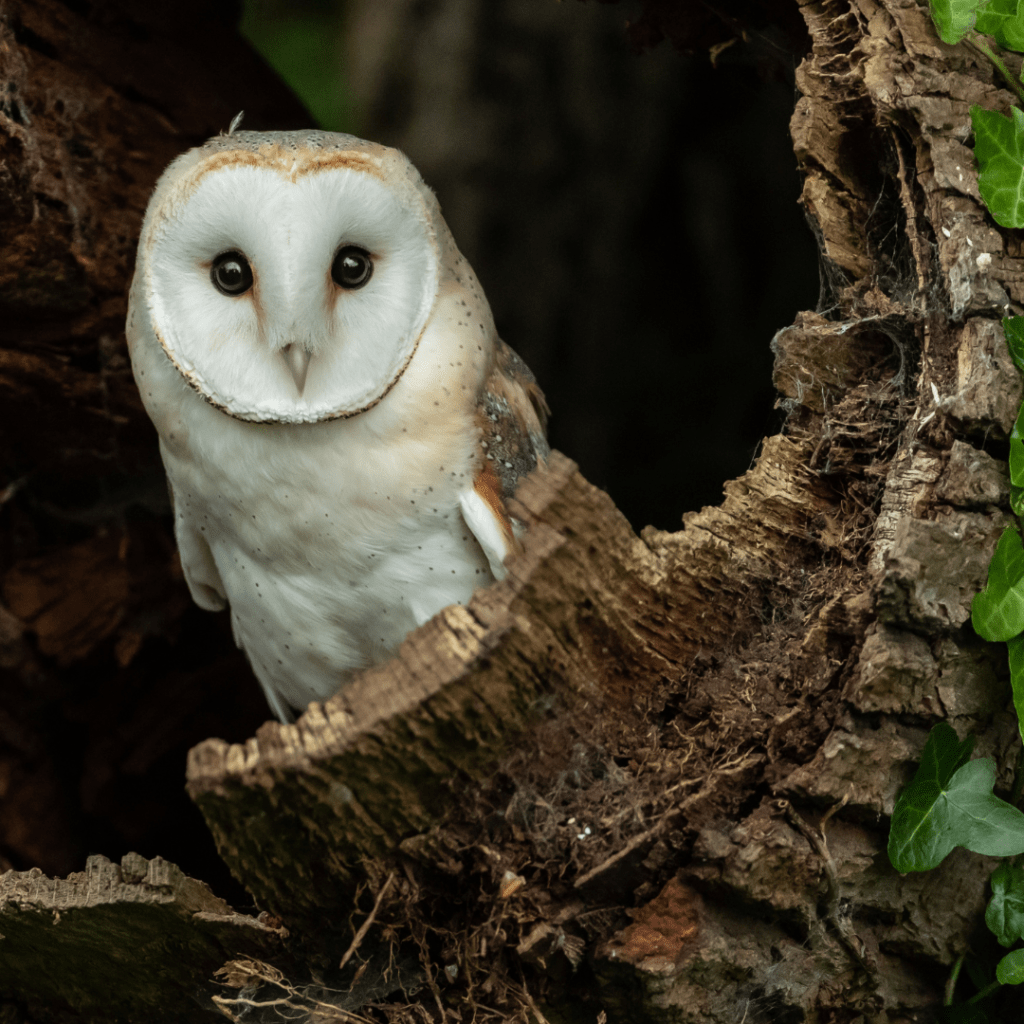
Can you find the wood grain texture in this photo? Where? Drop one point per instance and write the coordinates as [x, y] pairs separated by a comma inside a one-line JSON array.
[[94, 942], [589, 617]]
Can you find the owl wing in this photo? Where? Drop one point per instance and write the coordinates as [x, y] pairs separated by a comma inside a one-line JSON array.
[[512, 417], [201, 574]]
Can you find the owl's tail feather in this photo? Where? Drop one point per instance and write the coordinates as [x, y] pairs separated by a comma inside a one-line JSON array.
[[278, 706]]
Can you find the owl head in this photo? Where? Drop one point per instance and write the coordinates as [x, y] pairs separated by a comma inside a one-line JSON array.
[[289, 276]]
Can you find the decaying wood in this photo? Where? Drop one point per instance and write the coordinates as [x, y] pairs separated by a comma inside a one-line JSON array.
[[94, 941], [588, 622]]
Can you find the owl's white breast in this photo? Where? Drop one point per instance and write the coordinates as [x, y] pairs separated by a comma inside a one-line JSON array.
[[331, 540]]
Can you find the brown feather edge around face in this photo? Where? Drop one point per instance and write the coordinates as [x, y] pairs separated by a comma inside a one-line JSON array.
[[512, 417], [190, 379], [233, 150]]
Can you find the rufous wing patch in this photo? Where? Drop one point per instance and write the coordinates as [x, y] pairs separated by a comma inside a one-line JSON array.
[[484, 510], [488, 486]]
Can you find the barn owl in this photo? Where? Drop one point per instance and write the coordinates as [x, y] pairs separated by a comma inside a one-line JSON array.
[[339, 422]]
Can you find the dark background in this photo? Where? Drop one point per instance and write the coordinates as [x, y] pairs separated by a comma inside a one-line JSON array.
[[633, 218]]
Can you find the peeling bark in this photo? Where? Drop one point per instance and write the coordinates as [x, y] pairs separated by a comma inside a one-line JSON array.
[[95, 942], [590, 621]]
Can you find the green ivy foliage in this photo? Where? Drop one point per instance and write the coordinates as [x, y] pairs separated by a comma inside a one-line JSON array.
[[1003, 20], [950, 801], [997, 613], [999, 149], [1005, 913]]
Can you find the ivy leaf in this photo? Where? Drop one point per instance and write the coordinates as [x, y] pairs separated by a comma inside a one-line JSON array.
[[981, 970], [1016, 444], [1017, 500], [997, 613], [1016, 459], [1016, 650], [1016, 455], [954, 18], [977, 818], [1010, 970], [999, 148], [942, 756], [1013, 328], [950, 803], [1001, 20], [1005, 912]]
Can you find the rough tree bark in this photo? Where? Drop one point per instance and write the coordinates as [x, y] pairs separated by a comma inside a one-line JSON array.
[[647, 776]]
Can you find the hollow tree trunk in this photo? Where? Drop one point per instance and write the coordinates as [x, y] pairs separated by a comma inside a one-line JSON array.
[[647, 776]]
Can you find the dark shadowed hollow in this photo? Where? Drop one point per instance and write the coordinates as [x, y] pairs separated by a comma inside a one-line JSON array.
[[633, 218]]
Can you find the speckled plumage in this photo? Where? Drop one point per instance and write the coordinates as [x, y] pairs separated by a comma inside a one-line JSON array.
[[337, 510]]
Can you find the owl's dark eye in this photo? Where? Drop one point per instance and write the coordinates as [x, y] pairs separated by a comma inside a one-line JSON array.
[[231, 273], [352, 267]]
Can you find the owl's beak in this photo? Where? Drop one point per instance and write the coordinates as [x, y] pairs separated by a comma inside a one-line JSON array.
[[297, 358]]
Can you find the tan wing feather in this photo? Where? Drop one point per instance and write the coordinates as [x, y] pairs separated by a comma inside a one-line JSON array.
[[512, 417]]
